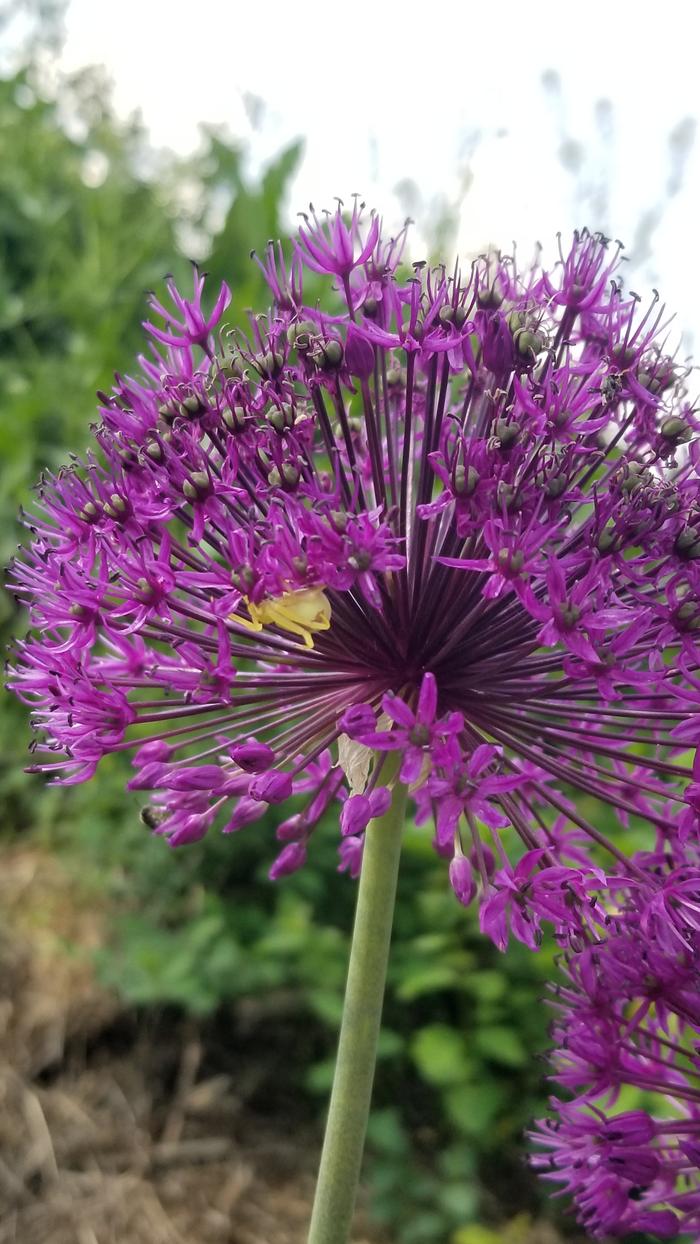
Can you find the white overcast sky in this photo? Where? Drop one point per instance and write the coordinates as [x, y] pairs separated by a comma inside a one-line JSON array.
[[446, 96]]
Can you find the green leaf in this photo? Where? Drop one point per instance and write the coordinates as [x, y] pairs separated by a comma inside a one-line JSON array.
[[431, 979], [476, 1234], [386, 1133], [319, 1077], [327, 1006], [390, 1043], [441, 1055], [472, 1107], [459, 1200], [426, 1227], [501, 1045], [488, 985]]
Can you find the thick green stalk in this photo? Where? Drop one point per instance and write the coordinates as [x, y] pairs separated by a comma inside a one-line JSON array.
[[348, 1112]]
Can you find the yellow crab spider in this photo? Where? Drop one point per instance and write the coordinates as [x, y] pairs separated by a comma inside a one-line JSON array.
[[302, 613]]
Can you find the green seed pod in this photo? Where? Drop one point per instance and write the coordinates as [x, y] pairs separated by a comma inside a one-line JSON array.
[[570, 615], [332, 352], [623, 355], [465, 480], [299, 335], [506, 495], [608, 541], [555, 485], [271, 363], [676, 431], [507, 433], [687, 544], [636, 477], [527, 342], [81, 613], [233, 418], [276, 420], [192, 406], [197, 486], [229, 366], [116, 507], [243, 579], [489, 299], [511, 561]]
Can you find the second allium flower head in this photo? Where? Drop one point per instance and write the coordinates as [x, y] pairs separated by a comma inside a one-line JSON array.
[[455, 519]]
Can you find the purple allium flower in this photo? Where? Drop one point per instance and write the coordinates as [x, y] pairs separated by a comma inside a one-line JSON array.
[[455, 518], [627, 1020]]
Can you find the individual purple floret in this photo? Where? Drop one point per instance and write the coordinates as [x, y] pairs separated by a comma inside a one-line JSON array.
[[450, 524], [627, 1021]]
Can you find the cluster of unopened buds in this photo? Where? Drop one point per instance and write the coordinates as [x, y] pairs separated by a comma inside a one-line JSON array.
[[453, 518]]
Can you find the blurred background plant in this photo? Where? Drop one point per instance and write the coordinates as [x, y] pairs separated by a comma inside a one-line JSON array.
[[91, 217]]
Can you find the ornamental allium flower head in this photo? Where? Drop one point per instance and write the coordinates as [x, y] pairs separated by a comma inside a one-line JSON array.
[[453, 517], [627, 1019]]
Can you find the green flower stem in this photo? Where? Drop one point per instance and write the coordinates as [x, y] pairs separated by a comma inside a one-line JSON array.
[[348, 1112]]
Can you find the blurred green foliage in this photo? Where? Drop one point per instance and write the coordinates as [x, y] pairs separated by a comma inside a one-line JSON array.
[[88, 220]]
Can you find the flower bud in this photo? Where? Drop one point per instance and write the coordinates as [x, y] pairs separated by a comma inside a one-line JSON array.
[[253, 756], [192, 829], [147, 777], [247, 811], [350, 851], [194, 777], [355, 816], [291, 829], [272, 787], [290, 858], [487, 860], [359, 355], [157, 749], [462, 880], [358, 720]]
